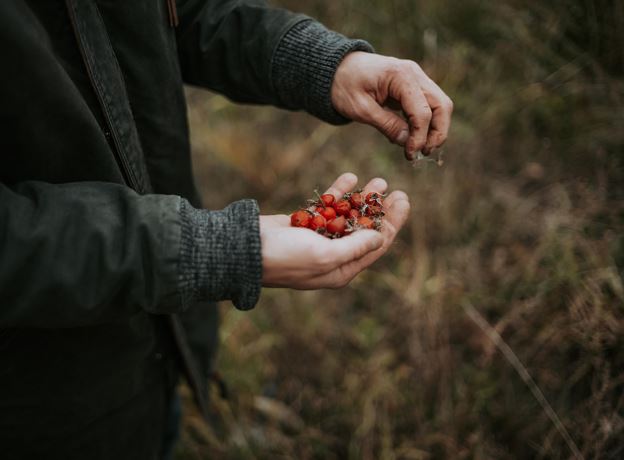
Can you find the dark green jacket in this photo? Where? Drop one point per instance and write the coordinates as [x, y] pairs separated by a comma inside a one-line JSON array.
[[104, 252]]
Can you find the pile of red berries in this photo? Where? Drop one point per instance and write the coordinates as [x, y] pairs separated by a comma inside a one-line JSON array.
[[336, 218]]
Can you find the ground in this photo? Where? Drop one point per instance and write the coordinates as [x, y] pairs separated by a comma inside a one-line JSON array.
[[523, 224]]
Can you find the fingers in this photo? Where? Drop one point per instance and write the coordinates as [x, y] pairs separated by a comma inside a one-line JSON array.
[[345, 183], [418, 113], [442, 110], [427, 108], [364, 83], [398, 208], [391, 125], [377, 184]]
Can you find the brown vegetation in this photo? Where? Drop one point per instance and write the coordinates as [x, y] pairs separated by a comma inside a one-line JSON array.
[[522, 222]]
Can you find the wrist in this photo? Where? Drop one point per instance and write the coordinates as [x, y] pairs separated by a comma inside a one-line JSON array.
[[220, 255], [304, 67]]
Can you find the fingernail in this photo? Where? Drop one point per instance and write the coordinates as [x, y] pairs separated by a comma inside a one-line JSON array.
[[411, 155], [402, 137]]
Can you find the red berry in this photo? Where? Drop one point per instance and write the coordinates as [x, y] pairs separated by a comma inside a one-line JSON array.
[[327, 213], [342, 208], [300, 218], [327, 199], [337, 226], [373, 198], [356, 200], [354, 214], [373, 210], [318, 222], [366, 222]]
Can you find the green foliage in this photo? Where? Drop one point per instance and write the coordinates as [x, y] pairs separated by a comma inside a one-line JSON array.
[[524, 221]]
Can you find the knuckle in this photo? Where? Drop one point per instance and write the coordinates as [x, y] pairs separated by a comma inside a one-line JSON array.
[[422, 117], [426, 113], [403, 66], [394, 67], [448, 104], [322, 259], [417, 143], [390, 127], [411, 66], [451, 104]]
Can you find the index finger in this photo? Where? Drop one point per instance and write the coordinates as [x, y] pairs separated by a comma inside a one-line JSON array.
[[345, 183], [415, 106], [442, 109]]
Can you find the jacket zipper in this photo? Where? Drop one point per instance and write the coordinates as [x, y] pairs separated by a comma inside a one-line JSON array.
[[173, 13], [126, 170]]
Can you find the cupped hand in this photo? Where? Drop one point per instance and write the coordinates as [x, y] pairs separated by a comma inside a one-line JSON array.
[[300, 258], [369, 88]]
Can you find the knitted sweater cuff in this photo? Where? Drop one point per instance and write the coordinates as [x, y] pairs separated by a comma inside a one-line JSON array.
[[304, 65], [220, 254]]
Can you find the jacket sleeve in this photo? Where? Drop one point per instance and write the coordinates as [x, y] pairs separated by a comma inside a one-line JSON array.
[[83, 253], [254, 53]]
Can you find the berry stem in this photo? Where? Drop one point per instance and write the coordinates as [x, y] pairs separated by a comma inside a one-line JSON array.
[[319, 198]]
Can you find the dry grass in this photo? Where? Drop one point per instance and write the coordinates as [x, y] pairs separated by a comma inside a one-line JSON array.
[[521, 222]]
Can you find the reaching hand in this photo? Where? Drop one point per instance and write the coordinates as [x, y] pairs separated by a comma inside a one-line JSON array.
[[300, 258], [369, 87]]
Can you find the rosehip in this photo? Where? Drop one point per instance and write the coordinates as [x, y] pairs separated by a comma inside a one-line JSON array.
[[327, 213], [373, 210], [337, 226], [300, 218], [366, 222], [356, 200], [327, 199], [342, 207], [354, 214], [318, 222], [373, 198]]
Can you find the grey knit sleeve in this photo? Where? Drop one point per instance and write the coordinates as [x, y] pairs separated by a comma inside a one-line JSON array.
[[304, 65], [220, 254]]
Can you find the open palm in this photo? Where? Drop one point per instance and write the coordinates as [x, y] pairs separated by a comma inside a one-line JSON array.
[[302, 259]]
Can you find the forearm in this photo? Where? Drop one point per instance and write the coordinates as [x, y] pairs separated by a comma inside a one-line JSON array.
[[254, 53], [227, 46], [85, 253], [304, 66]]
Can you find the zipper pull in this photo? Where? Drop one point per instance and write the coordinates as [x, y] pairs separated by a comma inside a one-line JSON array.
[[173, 13]]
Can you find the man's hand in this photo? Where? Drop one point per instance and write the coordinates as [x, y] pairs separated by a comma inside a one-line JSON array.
[[302, 259], [369, 87]]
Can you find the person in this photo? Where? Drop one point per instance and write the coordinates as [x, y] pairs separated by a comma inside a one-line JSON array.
[[110, 267]]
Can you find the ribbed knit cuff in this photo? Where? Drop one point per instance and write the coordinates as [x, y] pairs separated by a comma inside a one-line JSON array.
[[220, 254], [304, 65]]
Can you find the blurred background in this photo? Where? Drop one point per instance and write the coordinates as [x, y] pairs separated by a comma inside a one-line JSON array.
[[523, 224]]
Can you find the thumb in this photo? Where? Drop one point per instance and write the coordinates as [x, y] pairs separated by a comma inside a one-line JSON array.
[[356, 245], [387, 122]]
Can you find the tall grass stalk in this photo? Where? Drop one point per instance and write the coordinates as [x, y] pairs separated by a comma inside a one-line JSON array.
[[524, 374]]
